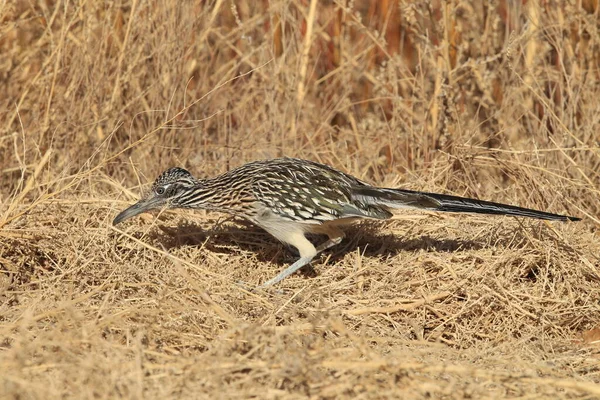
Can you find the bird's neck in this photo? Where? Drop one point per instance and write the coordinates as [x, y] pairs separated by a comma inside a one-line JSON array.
[[221, 193]]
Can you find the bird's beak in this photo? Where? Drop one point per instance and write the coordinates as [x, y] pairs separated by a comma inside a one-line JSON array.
[[138, 208]]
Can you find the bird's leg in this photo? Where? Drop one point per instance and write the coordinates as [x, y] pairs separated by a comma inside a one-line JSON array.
[[336, 235], [301, 262], [307, 253]]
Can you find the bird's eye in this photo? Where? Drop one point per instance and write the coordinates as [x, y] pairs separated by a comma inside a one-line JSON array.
[[160, 191]]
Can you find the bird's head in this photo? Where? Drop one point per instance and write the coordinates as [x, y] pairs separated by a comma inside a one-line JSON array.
[[167, 191]]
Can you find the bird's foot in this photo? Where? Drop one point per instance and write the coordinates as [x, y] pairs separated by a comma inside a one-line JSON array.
[[255, 289]]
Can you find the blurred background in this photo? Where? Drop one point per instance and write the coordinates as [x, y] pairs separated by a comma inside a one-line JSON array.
[[487, 99]]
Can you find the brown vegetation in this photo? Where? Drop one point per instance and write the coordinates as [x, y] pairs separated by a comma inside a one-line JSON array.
[[495, 100]]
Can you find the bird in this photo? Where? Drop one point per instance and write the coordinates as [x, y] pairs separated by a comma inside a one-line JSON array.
[[290, 197]]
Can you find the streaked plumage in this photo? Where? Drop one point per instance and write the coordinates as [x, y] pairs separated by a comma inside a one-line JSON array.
[[291, 197]]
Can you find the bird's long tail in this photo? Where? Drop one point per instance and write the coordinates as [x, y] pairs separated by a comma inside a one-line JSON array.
[[401, 198]]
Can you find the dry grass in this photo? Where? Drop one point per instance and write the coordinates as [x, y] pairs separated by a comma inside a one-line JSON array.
[[494, 101]]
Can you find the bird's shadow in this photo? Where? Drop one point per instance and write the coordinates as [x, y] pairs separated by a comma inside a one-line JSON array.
[[242, 236]]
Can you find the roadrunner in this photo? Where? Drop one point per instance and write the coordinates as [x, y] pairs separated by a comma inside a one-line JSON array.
[[289, 198]]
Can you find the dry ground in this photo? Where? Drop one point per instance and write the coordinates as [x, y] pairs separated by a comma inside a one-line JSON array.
[[496, 100]]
